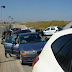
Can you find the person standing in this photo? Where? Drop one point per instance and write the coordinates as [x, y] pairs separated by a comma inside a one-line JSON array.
[[8, 33]]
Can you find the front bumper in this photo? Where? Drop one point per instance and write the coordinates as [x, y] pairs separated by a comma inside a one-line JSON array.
[[28, 58]]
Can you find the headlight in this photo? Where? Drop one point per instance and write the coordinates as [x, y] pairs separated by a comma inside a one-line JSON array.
[[29, 52]]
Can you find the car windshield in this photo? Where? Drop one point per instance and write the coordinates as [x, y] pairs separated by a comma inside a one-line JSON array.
[[59, 28], [25, 31], [31, 38]]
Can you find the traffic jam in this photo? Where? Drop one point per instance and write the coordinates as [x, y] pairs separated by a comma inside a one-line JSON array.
[[46, 54]]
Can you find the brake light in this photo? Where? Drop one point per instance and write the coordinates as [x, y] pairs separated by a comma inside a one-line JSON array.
[[35, 61], [24, 53]]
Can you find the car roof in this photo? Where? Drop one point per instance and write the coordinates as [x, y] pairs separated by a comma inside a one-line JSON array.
[[15, 28], [27, 33], [68, 26], [51, 26]]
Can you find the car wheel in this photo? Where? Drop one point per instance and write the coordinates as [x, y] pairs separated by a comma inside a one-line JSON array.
[[21, 61]]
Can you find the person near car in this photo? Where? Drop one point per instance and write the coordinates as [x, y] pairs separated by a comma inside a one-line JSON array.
[[9, 33]]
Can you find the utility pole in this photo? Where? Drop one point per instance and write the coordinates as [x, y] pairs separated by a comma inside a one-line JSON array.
[[1, 18]]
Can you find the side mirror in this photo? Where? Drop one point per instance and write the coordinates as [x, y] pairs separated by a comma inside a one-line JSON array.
[[14, 42]]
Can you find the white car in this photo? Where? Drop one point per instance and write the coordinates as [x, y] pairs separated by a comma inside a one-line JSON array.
[[32, 29], [56, 55], [51, 30]]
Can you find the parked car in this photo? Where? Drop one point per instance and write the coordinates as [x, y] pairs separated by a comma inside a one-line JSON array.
[[37, 30], [15, 29], [31, 29], [56, 55], [22, 31], [51, 30], [27, 46]]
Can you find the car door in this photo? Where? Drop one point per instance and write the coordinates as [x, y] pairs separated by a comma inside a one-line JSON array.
[[16, 47], [10, 47], [52, 30], [8, 44], [46, 32]]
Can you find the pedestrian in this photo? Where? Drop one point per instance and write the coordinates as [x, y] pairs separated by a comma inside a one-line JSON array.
[[3, 36], [8, 33]]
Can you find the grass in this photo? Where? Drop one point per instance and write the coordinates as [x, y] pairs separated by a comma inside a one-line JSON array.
[[45, 24]]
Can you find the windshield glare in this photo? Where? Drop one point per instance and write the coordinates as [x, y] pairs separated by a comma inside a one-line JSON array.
[[31, 38]]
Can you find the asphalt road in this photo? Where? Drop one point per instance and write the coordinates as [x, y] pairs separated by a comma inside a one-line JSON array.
[[12, 64]]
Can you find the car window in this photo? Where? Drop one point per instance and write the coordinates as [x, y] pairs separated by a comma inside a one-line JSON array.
[[48, 29], [25, 31], [52, 28], [31, 38], [63, 53], [59, 28], [60, 42], [67, 63], [9, 39]]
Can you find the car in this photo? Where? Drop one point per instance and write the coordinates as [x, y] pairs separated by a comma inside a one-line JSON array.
[[56, 55], [51, 30], [31, 29], [27, 46], [22, 31], [15, 29], [68, 26]]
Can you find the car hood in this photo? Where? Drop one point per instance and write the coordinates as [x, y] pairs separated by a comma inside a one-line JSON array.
[[32, 46]]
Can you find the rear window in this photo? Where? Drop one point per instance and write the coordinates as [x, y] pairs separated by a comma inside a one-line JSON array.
[[60, 42], [59, 28], [62, 49]]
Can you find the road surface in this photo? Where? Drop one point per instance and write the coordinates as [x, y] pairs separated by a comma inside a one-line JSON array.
[[12, 64]]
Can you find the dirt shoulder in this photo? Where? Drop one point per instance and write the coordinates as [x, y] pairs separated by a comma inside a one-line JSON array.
[[19, 26]]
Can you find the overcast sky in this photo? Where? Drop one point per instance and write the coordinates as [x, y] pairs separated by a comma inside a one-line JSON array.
[[36, 10]]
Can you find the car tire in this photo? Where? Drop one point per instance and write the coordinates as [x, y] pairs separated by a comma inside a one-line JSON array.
[[21, 61]]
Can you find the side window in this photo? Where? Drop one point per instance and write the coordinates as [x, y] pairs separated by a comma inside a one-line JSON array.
[[48, 29], [9, 39], [52, 28]]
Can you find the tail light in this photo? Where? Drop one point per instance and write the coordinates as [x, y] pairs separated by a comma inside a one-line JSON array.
[[35, 61]]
